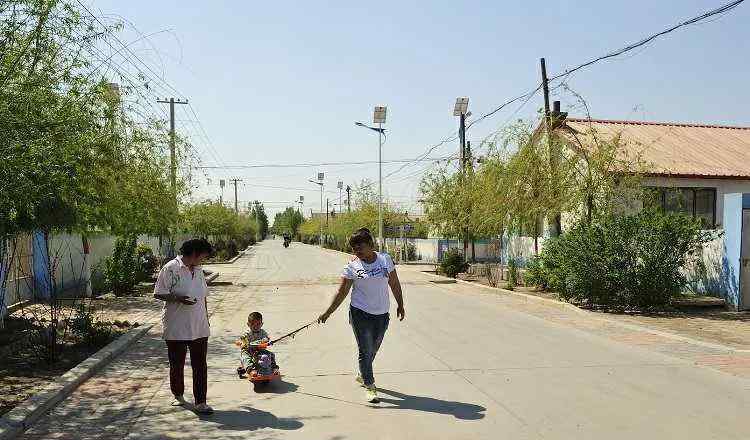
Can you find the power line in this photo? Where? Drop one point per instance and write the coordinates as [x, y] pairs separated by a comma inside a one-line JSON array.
[[527, 96], [694, 20], [209, 146], [319, 164]]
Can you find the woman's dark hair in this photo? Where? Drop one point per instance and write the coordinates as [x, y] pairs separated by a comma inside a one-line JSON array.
[[361, 236], [196, 246]]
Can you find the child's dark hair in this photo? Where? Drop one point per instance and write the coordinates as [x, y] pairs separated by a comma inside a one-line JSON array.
[[255, 316], [361, 236], [196, 246]]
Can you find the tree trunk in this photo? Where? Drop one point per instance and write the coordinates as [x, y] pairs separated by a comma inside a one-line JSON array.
[[589, 209]]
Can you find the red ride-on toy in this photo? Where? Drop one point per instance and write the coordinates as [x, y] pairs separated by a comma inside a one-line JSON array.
[[262, 368]]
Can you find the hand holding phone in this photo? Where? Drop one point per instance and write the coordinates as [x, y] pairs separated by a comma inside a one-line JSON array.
[[188, 300]]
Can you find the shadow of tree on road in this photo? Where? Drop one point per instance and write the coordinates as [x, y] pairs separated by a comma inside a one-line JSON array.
[[459, 410], [250, 419]]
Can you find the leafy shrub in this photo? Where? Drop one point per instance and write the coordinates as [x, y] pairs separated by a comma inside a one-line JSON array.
[[99, 282], [84, 326], [147, 262], [411, 252], [512, 274], [536, 274], [625, 262], [453, 263], [123, 266]]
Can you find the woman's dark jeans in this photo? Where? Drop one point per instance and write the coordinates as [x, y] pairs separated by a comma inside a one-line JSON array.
[[176, 351], [369, 331]]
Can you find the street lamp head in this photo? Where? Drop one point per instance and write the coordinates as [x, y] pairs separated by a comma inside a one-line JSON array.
[[359, 124], [461, 107], [379, 113]]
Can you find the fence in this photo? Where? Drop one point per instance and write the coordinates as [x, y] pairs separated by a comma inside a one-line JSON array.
[[431, 250], [37, 265]]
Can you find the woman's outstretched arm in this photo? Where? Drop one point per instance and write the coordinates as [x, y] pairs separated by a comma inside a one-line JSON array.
[[344, 286]]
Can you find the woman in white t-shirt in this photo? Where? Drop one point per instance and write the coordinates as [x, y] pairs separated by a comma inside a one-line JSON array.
[[182, 287], [369, 276]]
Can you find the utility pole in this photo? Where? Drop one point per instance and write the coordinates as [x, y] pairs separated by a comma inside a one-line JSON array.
[[556, 222], [327, 215], [460, 110], [222, 184], [348, 198], [234, 182], [403, 237], [257, 221], [172, 152]]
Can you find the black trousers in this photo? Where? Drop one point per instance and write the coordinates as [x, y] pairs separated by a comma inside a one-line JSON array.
[[176, 351]]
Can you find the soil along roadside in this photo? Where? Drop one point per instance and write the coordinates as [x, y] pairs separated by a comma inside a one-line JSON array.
[[27, 412]]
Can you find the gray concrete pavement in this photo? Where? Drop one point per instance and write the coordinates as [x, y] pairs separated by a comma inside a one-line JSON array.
[[465, 364]]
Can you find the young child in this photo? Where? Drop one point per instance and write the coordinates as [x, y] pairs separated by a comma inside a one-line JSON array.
[[251, 356]]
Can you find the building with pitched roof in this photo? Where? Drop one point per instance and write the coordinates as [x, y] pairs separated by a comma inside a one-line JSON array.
[[692, 165]]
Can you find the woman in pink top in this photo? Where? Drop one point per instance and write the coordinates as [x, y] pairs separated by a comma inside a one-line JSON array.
[[182, 287]]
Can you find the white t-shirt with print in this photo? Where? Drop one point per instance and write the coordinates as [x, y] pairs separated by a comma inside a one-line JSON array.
[[370, 291], [182, 322]]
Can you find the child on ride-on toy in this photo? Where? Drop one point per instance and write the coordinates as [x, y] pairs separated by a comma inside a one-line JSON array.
[[253, 353]]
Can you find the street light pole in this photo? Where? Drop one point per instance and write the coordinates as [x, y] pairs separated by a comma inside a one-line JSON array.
[[321, 176], [380, 186], [378, 117], [340, 185]]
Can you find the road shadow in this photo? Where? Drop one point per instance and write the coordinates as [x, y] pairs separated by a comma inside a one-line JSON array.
[[275, 387], [250, 419], [459, 410]]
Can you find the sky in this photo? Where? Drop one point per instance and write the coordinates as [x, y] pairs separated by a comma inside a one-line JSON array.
[[284, 82]]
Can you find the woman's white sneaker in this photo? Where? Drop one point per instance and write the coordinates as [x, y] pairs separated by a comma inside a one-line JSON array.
[[178, 401], [371, 394]]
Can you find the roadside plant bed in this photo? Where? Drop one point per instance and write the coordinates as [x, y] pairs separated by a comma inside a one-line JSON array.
[[26, 366], [623, 262]]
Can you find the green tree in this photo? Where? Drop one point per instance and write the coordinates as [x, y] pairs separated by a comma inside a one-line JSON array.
[[258, 213], [287, 222]]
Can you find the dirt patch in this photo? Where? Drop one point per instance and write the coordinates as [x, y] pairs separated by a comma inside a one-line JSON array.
[[26, 368]]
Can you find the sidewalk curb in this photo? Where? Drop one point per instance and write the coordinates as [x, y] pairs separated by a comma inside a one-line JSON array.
[[211, 278], [598, 317], [23, 416], [232, 261]]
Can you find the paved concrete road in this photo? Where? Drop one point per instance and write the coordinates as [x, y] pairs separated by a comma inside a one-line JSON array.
[[466, 364]]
